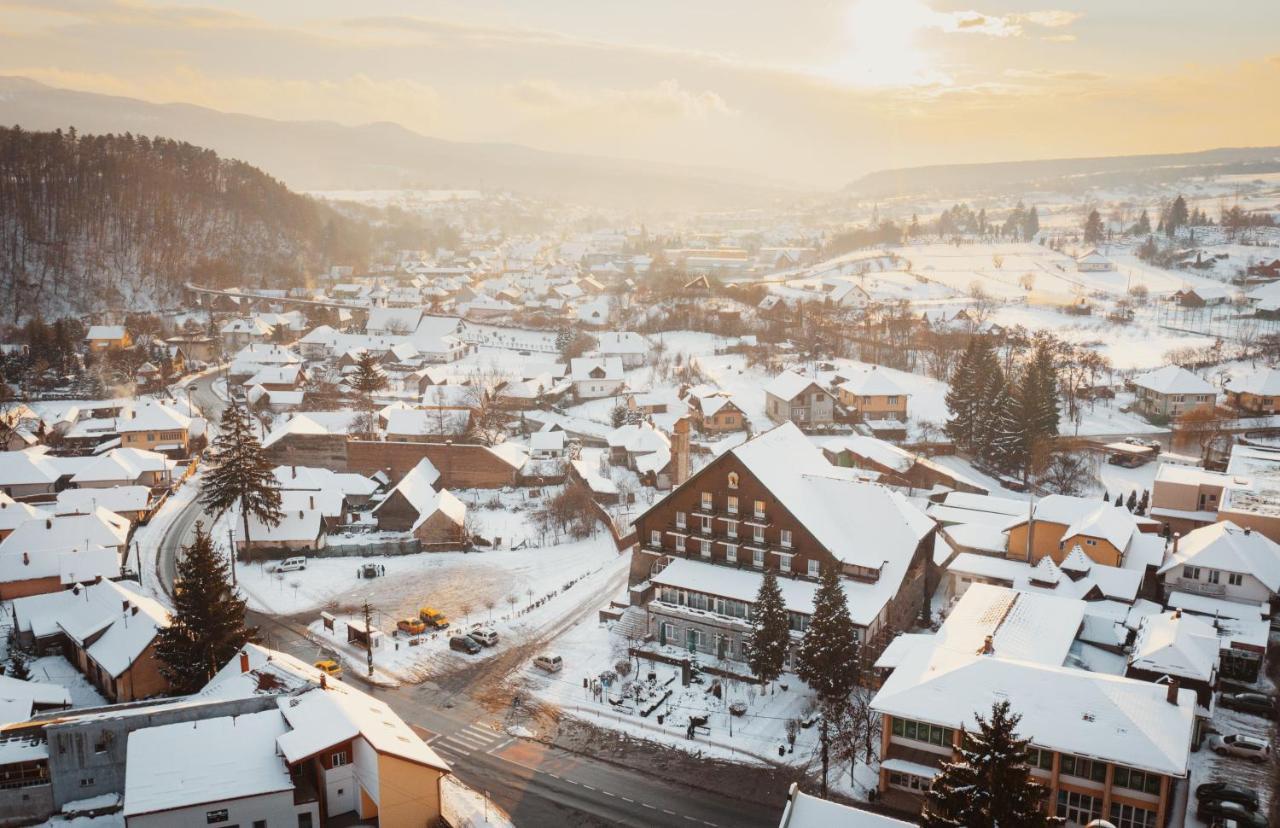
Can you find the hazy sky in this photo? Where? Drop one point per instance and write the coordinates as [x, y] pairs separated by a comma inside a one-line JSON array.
[[803, 91]]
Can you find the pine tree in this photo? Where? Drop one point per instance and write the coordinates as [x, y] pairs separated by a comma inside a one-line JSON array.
[[1005, 431], [1031, 224], [1143, 225], [207, 626], [1132, 503], [1177, 216], [1093, 228], [1144, 502], [1106, 497], [770, 634], [962, 396], [990, 786], [241, 477], [368, 378], [828, 657], [18, 667]]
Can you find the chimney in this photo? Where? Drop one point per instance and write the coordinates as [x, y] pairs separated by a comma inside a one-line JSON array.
[[26, 559], [1248, 530], [295, 471], [299, 514], [133, 610], [244, 661], [48, 523], [1177, 613], [324, 681], [988, 647], [312, 501], [1174, 685], [1176, 535]]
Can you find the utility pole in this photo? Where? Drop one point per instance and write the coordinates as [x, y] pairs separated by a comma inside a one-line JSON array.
[[368, 636], [231, 538]]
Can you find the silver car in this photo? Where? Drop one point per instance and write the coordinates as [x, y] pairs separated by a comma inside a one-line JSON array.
[[1236, 744]]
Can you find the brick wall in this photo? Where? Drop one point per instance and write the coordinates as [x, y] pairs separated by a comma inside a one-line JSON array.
[[461, 466]]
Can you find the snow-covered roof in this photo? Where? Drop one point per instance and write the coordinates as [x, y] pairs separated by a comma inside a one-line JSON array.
[[583, 369], [420, 423], [126, 620], [1173, 379], [43, 694], [399, 321], [417, 487], [873, 383], [1264, 382], [254, 326], [122, 464], [610, 343], [1093, 257], [289, 374], [299, 525], [547, 441], [1063, 709], [1225, 546], [309, 478], [313, 423], [788, 385], [1212, 607], [1178, 644], [1086, 516], [208, 760], [151, 415], [113, 332], [97, 528], [1026, 626], [860, 523], [805, 811], [13, 512]]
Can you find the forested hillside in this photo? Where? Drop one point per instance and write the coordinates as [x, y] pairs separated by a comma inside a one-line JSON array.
[[91, 222]]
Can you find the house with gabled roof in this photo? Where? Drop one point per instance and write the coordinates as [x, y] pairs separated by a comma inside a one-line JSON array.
[[1172, 391], [107, 338], [434, 516], [1223, 561], [798, 399], [874, 395], [1257, 392], [775, 502]]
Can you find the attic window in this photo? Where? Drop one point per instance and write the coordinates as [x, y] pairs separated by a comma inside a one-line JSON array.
[[733, 480]]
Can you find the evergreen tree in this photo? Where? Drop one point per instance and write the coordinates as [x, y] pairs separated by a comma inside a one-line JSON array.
[[1093, 228], [241, 477], [368, 378], [1177, 216], [1106, 497], [962, 396], [828, 657], [207, 626], [990, 786], [770, 634], [18, 666], [1144, 502], [1041, 393], [1031, 224], [1005, 431], [1143, 225], [1132, 503]]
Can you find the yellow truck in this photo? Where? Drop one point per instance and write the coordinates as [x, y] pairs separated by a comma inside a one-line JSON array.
[[433, 618]]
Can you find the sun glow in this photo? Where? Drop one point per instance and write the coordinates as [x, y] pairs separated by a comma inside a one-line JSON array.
[[882, 44]]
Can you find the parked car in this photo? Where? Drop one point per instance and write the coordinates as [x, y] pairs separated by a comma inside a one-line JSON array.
[[291, 564], [1217, 810], [1237, 744], [329, 667], [1228, 792], [549, 662], [464, 643], [434, 618], [1249, 702], [411, 626], [485, 635]]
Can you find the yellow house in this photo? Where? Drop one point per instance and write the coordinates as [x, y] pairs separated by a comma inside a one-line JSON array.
[[154, 426], [1061, 523], [873, 395], [108, 338]]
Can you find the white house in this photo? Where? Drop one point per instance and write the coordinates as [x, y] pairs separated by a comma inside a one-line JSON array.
[[595, 377], [1222, 560], [1093, 261], [631, 348]]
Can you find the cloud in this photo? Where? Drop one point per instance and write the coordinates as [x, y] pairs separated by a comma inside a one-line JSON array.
[[1060, 38], [1050, 19]]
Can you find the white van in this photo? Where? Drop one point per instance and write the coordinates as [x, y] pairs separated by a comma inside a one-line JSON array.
[[291, 565], [550, 663]]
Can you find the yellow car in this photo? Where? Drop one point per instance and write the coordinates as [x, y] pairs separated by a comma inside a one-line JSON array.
[[434, 618], [329, 667], [412, 626]]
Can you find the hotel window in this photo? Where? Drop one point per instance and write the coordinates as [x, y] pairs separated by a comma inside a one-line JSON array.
[[1038, 758], [923, 732], [784, 562], [731, 528], [757, 532], [1084, 768], [1191, 572], [1212, 576], [730, 553], [707, 501], [1079, 808], [892, 400], [1131, 816], [1235, 578], [759, 508], [655, 537], [786, 538], [681, 520], [733, 476], [757, 558], [706, 548], [679, 543], [706, 526], [1136, 780], [732, 504], [814, 571]]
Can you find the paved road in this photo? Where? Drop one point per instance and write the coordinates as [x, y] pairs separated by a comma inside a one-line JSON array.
[[536, 784]]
